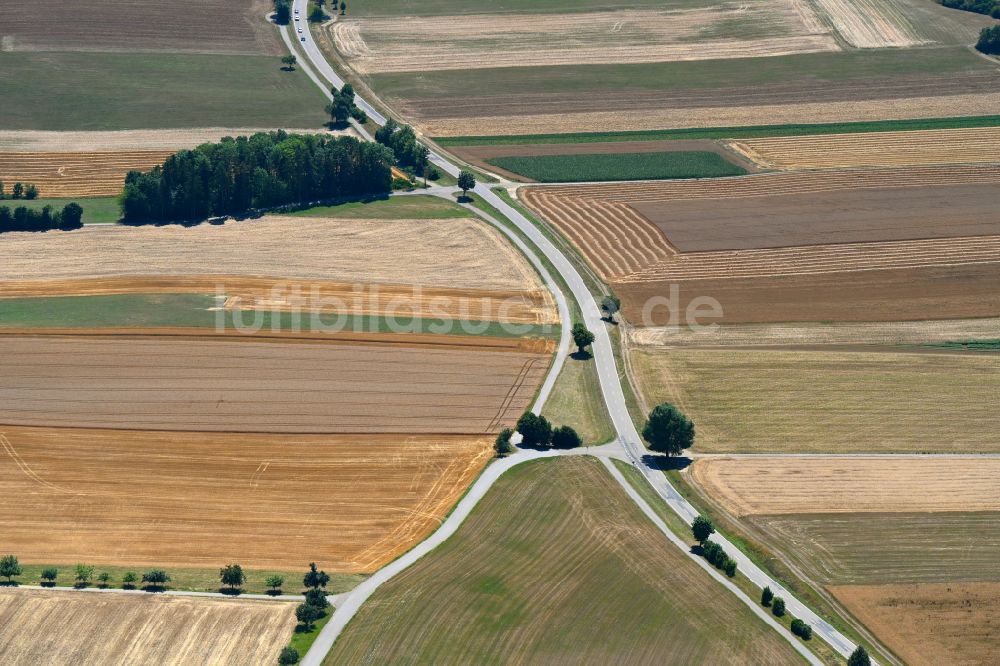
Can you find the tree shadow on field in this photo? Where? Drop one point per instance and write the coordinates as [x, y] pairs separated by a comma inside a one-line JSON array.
[[8, 583], [666, 463], [231, 591], [154, 588], [581, 355]]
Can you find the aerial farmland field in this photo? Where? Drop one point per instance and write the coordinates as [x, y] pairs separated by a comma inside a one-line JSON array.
[[795, 246], [125, 629], [562, 531], [868, 401]]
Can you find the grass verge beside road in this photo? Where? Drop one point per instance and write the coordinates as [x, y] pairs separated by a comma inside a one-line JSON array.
[[576, 401], [621, 166], [409, 207]]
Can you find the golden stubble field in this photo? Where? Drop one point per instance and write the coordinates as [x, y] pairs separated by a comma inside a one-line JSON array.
[[62, 628], [181, 499]]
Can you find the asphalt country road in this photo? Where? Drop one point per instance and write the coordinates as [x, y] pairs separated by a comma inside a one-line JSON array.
[[614, 397]]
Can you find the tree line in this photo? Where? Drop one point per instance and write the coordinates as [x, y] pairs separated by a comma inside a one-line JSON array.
[[988, 7], [237, 175], [989, 40], [22, 218], [19, 191]]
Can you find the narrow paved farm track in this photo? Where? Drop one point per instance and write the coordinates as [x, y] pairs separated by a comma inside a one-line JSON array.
[[611, 390]]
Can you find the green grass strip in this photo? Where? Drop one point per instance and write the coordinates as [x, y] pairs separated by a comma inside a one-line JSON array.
[[619, 166], [96, 210], [727, 132]]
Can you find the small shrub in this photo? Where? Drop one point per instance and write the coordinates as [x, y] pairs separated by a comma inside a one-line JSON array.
[[49, 576], [129, 580], [103, 578], [801, 629], [778, 607], [274, 583]]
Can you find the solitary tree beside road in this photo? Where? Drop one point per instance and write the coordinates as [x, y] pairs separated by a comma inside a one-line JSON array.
[[274, 584], [49, 576], [581, 337], [766, 596], [611, 304], [289, 61], [668, 430], [9, 567], [466, 181], [702, 528], [859, 657], [155, 578], [503, 446], [343, 8], [536, 430], [129, 580], [232, 575], [83, 574]]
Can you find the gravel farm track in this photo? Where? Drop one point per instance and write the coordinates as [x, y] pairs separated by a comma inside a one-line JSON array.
[[126, 630]]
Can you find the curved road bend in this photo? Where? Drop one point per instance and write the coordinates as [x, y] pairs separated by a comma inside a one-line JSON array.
[[614, 398]]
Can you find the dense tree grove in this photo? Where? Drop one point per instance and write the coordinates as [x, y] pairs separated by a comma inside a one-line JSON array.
[[536, 430], [402, 140], [989, 40], [988, 7], [237, 175], [282, 12], [46, 219]]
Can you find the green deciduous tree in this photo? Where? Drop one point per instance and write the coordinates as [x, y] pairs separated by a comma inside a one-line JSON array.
[[103, 579], [801, 629], [232, 575], [536, 430], [315, 578], [274, 583], [778, 607], [582, 337], [282, 12], [30, 192], [129, 580], [288, 656], [317, 598], [49, 575], [730, 567], [466, 181], [9, 567], [702, 528], [289, 61], [503, 446], [18, 191], [308, 614], [83, 574], [859, 657], [155, 578], [667, 430], [565, 437], [989, 40], [611, 304], [317, 15], [343, 8]]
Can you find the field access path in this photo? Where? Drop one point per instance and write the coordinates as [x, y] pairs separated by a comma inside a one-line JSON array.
[[628, 437]]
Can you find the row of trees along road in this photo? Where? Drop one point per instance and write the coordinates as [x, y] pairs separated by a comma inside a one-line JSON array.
[[46, 219], [235, 176]]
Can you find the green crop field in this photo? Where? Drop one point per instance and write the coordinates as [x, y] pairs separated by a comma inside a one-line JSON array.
[[883, 548], [621, 166], [758, 401], [96, 210], [761, 131], [117, 91], [557, 565], [409, 207]]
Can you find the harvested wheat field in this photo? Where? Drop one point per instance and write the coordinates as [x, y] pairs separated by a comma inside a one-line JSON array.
[[876, 149], [272, 295], [782, 485], [62, 628], [39, 141], [808, 246], [139, 498], [872, 23], [92, 174], [456, 253], [733, 30], [212, 26], [556, 565], [759, 401], [929, 624], [243, 385]]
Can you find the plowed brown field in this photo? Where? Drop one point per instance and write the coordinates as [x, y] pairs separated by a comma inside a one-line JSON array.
[[120, 630], [202, 26], [931, 623], [951, 146], [170, 499], [89, 174], [239, 385], [781, 485], [803, 246]]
